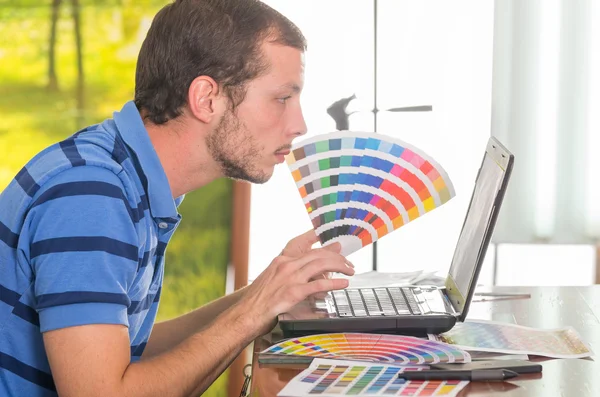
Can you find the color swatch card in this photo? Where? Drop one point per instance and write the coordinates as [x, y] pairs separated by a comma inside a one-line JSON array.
[[498, 337], [358, 187], [331, 378], [388, 349]]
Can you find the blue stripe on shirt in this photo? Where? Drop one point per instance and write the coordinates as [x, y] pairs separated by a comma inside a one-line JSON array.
[[28, 372], [137, 350], [11, 298], [144, 202], [118, 153], [160, 249], [27, 183], [88, 188], [144, 260], [7, 237], [79, 244], [68, 298], [70, 150], [144, 304]]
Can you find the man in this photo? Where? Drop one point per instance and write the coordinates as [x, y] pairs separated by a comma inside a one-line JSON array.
[[85, 224]]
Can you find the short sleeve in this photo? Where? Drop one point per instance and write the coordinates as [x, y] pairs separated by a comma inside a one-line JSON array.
[[83, 249]]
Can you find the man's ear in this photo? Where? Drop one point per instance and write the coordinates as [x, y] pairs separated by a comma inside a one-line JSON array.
[[203, 96]]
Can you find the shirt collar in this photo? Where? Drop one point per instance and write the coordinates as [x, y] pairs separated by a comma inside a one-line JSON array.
[[134, 133]]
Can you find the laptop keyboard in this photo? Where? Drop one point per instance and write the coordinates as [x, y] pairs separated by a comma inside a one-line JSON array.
[[367, 302]]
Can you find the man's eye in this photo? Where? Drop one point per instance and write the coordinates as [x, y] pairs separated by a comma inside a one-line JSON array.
[[282, 100]]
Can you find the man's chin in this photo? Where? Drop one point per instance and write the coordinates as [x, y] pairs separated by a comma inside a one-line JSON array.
[[253, 178], [264, 178]]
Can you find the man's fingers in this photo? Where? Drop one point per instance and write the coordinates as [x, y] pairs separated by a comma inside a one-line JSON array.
[[301, 244], [333, 247], [337, 248], [322, 275], [310, 237], [315, 254], [318, 267], [316, 288], [325, 285], [311, 255], [305, 240], [319, 295]]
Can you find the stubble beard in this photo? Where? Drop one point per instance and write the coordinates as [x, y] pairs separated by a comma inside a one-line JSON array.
[[234, 149]]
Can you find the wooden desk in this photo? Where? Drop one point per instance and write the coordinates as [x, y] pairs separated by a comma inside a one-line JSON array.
[[549, 307]]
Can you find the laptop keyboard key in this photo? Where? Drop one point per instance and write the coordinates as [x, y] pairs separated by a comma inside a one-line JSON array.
[[412, 302], [399, 301], [366, 302], [356, 302], [340, 298], [321, 305], [344, 312], [371, 302], [342, 304], [384, 300]]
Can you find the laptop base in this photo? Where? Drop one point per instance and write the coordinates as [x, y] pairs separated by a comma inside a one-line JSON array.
[[418, 326]]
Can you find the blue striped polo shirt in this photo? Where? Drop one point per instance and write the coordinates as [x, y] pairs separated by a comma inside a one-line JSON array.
[[83, 232]]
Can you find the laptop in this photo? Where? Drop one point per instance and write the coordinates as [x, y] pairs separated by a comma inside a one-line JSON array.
[[417, 310]]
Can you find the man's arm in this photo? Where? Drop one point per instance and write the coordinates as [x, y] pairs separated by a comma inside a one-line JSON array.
[[94, 360], [168, 334]]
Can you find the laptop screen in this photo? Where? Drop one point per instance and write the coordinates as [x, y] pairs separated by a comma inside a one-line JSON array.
[[479, 224]]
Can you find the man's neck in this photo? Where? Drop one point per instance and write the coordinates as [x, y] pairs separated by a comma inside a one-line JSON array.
[[183, 154]]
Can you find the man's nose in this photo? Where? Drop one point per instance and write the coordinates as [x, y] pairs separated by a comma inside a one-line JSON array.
[[299, 124]]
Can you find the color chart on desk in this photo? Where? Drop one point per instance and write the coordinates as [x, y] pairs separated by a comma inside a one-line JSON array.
[[492, 336], [358, 187], [396, 349], [328, 378]]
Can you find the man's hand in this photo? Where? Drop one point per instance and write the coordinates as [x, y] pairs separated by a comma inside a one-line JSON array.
[[303, 243], [289, 280], [300, 244], [94, 360]]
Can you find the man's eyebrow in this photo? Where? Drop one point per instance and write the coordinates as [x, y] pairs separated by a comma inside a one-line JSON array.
[[291, 86]]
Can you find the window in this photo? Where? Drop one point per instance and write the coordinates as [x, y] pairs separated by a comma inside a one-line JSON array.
[[542, 264], [428, 53], [339, 63]]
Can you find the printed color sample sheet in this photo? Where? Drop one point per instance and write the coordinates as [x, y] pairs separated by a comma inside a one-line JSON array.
[[346, 378], [396, 349], [515, 339], [358, 187]]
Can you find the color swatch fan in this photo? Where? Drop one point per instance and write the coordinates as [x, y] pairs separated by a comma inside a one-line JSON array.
[[357, 187], [388, 349]]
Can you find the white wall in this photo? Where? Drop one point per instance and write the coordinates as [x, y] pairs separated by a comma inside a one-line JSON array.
[[430, 53], [437, 53], [338, 64]]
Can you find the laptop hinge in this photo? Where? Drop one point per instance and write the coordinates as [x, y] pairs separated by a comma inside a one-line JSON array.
[[450, 309]]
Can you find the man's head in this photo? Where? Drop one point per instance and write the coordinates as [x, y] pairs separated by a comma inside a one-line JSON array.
[[230, 65]]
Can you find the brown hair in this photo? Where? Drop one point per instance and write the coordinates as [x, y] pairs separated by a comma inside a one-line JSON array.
[[216, 38]]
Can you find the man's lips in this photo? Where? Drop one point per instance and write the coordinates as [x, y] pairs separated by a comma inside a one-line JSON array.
[[280, 155]]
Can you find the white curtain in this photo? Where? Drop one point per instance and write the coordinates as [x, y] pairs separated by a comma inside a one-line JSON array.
[[545, 108]]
